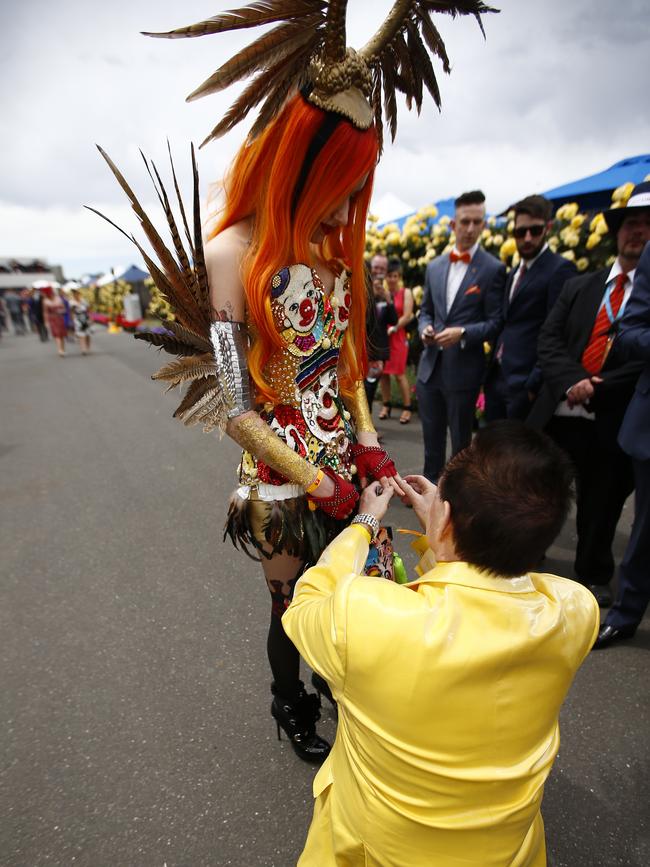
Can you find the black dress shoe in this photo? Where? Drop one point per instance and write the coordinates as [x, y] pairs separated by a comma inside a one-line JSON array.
[[602, 593], [609, 634]]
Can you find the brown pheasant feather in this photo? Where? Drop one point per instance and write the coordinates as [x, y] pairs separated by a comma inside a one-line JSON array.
[[253, 15], [264, 52]]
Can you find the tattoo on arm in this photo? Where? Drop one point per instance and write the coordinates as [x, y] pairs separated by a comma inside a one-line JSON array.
[[226, 314]]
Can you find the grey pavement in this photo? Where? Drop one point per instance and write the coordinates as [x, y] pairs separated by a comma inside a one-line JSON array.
[[135, 725]]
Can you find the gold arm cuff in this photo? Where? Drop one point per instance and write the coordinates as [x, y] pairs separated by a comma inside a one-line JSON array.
[[256, 437], [360, 411]]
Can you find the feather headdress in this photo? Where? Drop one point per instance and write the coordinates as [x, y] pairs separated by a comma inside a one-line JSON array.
[[307, 49]]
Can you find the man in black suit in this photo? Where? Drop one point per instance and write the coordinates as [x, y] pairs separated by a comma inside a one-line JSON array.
[[514, 379], [634, 438], [461, 309], [587, 386]]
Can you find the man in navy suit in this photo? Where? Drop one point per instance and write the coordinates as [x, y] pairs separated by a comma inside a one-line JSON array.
[[634, 438], [588, 383], [514, 379], [461, 309]]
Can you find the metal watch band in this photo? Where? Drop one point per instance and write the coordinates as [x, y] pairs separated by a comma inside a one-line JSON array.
[[370, 521]]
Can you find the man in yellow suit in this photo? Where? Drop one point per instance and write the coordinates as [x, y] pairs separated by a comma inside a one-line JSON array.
[[448, 688]]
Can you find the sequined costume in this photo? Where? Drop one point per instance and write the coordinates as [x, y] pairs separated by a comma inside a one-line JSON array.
[[310, 417]]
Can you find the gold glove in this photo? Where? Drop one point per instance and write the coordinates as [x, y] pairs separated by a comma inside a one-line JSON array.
[[256, 437], [360, 411]]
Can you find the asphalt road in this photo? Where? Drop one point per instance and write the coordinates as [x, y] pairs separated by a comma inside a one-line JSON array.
[[135, 692]]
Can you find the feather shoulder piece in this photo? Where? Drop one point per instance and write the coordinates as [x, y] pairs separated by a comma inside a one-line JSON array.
[[180, 276]]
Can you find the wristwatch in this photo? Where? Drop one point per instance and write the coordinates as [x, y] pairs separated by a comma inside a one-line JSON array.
[[369, 521]]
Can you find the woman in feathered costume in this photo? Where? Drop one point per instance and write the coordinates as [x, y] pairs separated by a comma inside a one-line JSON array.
[[270, 317]]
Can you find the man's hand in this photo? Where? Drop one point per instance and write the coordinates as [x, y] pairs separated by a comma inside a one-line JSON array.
[[375, 499], [582, 391], [428, 336], [419, 493], [448, 337]]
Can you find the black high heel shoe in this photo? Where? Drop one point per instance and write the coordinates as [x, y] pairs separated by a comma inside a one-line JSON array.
[[298, 719], [385, 411], [323, 689]]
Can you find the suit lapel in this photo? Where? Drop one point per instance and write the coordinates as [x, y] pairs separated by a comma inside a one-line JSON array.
[[506, 294], [591, 301], [441, 289]]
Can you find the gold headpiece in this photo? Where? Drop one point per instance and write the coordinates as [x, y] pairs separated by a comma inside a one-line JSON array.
[[307, 50]]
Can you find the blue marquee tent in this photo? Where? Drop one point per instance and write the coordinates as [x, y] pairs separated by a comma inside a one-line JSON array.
[[133, 275], [594, 192]]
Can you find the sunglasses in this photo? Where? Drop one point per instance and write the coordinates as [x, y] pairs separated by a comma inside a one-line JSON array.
[[536, 231]]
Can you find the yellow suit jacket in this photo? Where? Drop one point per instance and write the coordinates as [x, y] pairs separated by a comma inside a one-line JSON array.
[[449, 690]]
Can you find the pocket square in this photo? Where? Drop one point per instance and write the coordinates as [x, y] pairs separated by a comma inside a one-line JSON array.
[[473, 290]]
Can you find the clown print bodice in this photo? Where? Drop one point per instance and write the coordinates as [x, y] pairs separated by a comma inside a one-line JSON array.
[[309, 416]]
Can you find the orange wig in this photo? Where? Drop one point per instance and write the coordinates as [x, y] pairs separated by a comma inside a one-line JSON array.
[[261, 184]]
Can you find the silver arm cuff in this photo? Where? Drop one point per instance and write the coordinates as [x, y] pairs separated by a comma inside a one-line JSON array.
[[230, 344]]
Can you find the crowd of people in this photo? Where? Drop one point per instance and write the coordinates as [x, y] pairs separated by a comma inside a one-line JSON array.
[[541, 342], [48, 310]]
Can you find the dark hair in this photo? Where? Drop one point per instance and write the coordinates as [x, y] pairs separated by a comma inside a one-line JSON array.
[[534, 206], [394, 265], [474, 197], [509, 493]]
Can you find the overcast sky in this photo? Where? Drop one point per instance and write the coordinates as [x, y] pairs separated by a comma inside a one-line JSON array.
[[558, 90]]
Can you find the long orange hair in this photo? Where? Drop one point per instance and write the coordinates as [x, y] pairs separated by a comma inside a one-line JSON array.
[[261, 184]]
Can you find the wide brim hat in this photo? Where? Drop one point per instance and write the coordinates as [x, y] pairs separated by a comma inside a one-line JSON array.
[[639, 198]]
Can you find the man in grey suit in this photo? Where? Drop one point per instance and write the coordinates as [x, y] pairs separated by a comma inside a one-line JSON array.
[[462, 307]]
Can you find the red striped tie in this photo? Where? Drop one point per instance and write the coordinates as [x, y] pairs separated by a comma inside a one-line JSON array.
[[593, 357]]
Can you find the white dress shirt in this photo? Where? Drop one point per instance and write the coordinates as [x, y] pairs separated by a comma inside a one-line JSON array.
[[579, 411], [456, 275]]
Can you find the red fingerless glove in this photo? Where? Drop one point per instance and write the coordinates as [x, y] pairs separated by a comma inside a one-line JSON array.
[[342, 501], [372, 462]]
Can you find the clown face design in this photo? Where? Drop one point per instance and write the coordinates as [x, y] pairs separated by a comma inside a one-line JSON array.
[[295, 299], [321, 411], [341, 302]]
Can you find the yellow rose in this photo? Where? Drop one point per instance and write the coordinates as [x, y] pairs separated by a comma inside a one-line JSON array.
[[553, 243], [577, 221], [516, 259], [492, 221], [444, 221], [418, 292], [485, 234], [570, 255], [571, 210], [598, 225], [406, 255], [511, 226], [622, 194], [511, 214], [582, 264], [508, 248], [497, 240], [610, 261], [560, 214], [592, 241]]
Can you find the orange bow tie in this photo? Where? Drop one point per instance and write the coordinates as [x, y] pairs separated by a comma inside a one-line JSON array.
[[459, 257]]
